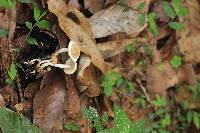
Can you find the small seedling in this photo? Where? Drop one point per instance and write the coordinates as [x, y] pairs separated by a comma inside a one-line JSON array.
[[123, 124], [12, 72], [3, 32], [71, 127], [176, 62], [39, 22]]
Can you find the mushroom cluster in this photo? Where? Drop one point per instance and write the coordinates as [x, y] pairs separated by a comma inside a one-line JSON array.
[[70, 65]]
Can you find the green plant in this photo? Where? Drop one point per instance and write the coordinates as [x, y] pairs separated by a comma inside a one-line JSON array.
[[176, 62], [11, 122], [173, 10], [10, 4], [39, 22], [12, 72], [131, 47], [123, 124], [3, 32], [71, 127]]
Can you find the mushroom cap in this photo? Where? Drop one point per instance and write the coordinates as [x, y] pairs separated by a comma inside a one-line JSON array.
[[73, 66], [74, 50]]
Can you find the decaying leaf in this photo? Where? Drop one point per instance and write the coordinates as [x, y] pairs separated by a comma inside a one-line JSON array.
[[87, 77], [183, 95], [112, 48], [115, 19], [190, 36], [160, 77], [94, 5], [72, 103], [75, 25], [48, 103]]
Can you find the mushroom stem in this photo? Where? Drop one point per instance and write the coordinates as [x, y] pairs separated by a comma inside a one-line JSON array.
[[62, 66]]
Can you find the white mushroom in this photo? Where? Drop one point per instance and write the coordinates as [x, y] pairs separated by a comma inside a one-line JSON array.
[[70, 66]]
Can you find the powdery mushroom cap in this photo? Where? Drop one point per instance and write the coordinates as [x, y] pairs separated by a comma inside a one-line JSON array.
[[73, 66], [74, 51]]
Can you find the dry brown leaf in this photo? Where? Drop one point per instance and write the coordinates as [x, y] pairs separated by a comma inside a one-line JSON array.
[[184, 95], [87, 77], [160, 77], [48, 103], [186, 73], [2, 102], [115, 19], [72, 103], [75, 25], [190, 36], [94, 5], [134, 3], [112, 48], [7, 21]]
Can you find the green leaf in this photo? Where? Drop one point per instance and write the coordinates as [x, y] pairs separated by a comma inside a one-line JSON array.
[[131, 47], [12, 72], [181, 12], [43, 24], [131, 86], [8, 3], [137, 127], [141, 19], [189, 116], [36, 12], [152, 23], [110, 79], [104, 118], [166, 120], [71, 127], [176, 62], [141, 6], [26, 1], [31, 41], [93, 118], [3, 32], [29, 25], [175, 25], [11, 122], [159, 101], [121, 120], [167, 8], [196, 120], [148, 50]]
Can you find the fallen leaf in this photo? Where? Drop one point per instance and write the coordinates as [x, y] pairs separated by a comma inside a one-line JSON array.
[[159, 79], [72, 103], [190, 36], [2, 102], [114, 20], [94, 5], [70, 19], [112, 48], [48, 103]]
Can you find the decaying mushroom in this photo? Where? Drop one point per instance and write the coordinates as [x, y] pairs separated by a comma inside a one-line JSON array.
[[70, 65]]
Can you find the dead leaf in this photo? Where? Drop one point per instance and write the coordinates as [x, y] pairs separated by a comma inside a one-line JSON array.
[[48, 103], [112, 48], [160, 77], [190, 36], [72, 103], [87, 77], [94, 5], [2, 102], [183, 94], [114, 20], [7, 21], [186, 73], [75, 25]]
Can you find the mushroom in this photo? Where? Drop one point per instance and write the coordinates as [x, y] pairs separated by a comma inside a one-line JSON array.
[[70, 66]]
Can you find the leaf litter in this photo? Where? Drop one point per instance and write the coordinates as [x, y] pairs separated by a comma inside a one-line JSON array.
[[149, 71]]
